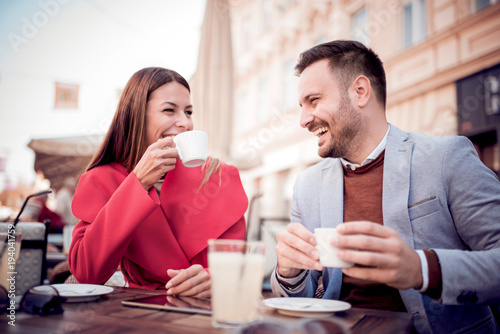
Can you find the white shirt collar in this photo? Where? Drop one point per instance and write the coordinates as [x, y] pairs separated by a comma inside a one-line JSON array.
[[375, 153]]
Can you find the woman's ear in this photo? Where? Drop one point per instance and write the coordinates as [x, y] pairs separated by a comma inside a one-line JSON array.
[[361, 89]]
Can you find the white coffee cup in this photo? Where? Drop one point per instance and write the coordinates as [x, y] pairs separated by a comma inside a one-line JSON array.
[[328, 253], [192, 147]]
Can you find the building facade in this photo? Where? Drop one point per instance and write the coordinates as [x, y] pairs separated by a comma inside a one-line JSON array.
[[442, 65]]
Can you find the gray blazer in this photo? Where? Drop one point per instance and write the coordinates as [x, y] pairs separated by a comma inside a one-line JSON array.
[[437, 195]]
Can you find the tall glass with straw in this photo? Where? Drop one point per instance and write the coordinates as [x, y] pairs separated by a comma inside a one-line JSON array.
[[237, 270]]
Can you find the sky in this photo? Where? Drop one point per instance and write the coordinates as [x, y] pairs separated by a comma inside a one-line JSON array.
[[97, 44]]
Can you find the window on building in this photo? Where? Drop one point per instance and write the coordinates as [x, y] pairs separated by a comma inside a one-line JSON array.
[[414, 22], [358, 26], [488, 149], [492, 95], [478, 5], [66, 95]]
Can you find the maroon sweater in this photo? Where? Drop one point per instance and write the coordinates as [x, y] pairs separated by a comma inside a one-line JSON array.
[[363, 201]]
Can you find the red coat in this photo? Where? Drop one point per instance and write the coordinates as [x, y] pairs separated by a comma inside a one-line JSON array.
[[120, 223]]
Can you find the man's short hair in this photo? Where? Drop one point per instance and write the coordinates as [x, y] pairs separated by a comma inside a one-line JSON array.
[[348, 60]]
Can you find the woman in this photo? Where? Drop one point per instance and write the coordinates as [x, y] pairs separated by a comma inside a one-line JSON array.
[[140, 208]]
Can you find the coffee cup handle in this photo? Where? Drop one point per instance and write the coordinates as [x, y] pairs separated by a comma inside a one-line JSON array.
[[179, 151]]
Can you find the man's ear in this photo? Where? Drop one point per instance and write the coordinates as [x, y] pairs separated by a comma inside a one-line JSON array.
[[361, 90]]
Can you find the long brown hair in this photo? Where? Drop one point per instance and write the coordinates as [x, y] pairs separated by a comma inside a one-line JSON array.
[[125, 140]]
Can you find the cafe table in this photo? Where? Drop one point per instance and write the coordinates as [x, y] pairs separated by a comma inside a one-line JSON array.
[[108, 315]]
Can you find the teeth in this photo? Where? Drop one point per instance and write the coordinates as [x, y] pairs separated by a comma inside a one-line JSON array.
[[320, 131]]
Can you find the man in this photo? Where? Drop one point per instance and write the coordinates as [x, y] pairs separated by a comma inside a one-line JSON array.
[[422, 212]]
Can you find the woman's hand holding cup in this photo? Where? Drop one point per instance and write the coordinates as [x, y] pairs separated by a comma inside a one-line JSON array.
[[158, 159]]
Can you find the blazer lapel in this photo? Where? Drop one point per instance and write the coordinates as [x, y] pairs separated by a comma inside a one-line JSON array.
[[396, 180], [332, 194], [395, 197]]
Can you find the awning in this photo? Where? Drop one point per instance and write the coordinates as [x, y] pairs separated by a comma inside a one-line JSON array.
[[212, 84], [62, 157]]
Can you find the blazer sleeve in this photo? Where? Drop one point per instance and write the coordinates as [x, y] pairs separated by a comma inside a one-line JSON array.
[[473, 191], [308, 287], [110, 206]]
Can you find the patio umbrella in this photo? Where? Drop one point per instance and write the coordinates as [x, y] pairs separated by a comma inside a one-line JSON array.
[[62, 157], [212, 84]]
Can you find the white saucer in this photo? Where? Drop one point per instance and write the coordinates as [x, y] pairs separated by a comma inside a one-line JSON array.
[[307, 307], [81, 292]]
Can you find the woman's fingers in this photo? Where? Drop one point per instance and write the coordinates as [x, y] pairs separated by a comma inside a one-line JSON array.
[[200, 290], [192, 281], [158, 159], [163, 143], [204, 295]]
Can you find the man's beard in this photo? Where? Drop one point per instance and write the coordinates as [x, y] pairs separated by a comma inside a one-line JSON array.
[[349, 124]]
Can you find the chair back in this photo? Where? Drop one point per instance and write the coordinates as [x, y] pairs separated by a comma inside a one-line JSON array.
[[267, 230], [31, 266]]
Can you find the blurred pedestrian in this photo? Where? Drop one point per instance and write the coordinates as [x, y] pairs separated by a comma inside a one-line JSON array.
[[36, 210], [64, 198]]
